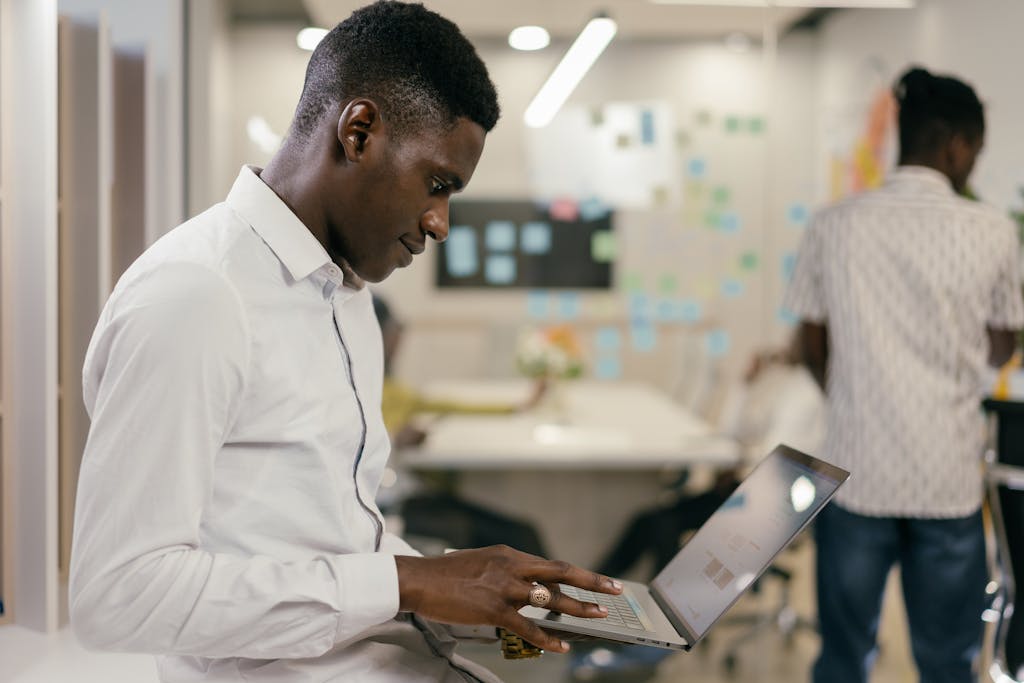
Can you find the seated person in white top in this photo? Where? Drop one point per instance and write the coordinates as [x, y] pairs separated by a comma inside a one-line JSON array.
[[225, 517]]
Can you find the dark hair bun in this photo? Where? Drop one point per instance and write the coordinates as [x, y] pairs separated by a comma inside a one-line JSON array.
[[914, 85]]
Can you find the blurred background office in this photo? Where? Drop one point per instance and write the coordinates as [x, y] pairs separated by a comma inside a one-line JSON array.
[[629, 246]]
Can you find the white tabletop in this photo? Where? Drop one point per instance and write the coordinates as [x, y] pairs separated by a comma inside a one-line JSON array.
[[605, 425]]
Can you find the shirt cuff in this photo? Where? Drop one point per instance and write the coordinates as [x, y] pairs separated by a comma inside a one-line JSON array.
[[369, 592]]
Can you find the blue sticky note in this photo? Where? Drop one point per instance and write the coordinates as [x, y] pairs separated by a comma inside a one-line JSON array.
[[689, 311], [608, 367], [569, 305], [500, 236], [647, 127], [639, 306], [697, 167], [729, 223], [535, 237], [608, 339], [732, 288], [787, 317], [537, 304], [643, 336], [592, 209], [788, 265], [716, 343], [797, 214], [500, 269], [460, 251], [665, 309]]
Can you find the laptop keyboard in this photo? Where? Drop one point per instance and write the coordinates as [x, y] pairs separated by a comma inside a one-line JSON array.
[[623, 610]]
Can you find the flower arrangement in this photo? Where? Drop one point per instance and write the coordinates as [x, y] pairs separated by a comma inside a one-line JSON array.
[[550, 353]]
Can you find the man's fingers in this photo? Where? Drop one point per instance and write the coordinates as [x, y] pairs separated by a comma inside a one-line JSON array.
[[564, 604], [535, 635], [563, 572]]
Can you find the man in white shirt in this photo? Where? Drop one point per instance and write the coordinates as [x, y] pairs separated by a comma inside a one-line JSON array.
[[225, 517], [905, 293]]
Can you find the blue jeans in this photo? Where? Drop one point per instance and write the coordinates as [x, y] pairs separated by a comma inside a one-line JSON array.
[[943, 572]]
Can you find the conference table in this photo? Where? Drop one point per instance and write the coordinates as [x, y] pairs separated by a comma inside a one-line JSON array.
[[578, 465]]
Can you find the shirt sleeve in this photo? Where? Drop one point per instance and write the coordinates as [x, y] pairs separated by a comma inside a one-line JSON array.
[[804, 296], [1007, 306], [164, 376]]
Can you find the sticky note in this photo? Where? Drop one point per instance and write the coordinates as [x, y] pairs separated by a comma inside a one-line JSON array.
[[665, 310], [608, 339], [716, 343], [608, 367], [667, 283], [689, 311], [596, 116], [756, 125], [787, 317], [564, 210], [703, 117], [592, 209], [639, 306], [647, 127], [729, 223], [537, 304], [460, 251], [535, 237], [732, 124], [749, 260], [569, 305], [633, 282], [500, 236], [788, 265], [720, 195], [732, 288], [797, 214], [500, 269], [602, 246], [697, 167], [643, 336]]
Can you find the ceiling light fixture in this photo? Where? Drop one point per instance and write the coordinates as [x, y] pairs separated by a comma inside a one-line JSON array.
[[309, 38], [582, 54], [837, 4], [529, 38]]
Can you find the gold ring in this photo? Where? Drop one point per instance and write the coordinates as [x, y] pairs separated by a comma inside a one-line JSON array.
[[540, 596]]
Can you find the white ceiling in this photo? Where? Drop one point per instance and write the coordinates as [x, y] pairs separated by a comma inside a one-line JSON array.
[[637, 19]]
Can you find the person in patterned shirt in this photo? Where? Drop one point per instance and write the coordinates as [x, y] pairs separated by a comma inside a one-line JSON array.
[[904, 294]]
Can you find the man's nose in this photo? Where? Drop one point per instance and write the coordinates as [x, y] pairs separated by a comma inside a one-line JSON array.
[[435, 222]]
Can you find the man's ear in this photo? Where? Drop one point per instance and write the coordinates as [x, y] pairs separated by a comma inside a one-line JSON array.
[[359, 120]]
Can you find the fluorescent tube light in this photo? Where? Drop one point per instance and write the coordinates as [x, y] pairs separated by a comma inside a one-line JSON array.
[[582, 54], [529, 38], [309, 38]]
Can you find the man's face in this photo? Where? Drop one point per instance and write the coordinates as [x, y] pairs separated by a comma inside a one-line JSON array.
[[399, 195]]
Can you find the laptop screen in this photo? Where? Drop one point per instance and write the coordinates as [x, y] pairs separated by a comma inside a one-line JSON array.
[[768, 509]]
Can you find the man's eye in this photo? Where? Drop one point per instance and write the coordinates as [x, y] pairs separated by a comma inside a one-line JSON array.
[[437, 186]]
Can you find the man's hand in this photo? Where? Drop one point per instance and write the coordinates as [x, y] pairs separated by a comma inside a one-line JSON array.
[[490, 585]]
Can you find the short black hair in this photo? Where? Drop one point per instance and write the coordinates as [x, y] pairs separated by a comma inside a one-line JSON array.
[[415, 64], [932, 108]]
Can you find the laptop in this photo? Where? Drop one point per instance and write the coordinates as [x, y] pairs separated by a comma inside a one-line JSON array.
[[718, 564]]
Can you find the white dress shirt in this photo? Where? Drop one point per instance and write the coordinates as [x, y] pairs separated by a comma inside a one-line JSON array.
[[907, 278], [225, 517]]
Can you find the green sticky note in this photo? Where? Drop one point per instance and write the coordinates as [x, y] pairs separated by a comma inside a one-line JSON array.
[[667, 283], [596, 116], [756, 125], [603, 247], [633, 282], [732, 124], [703, 117], [694, 190], [749, 260], [721, 195], [711, 220]]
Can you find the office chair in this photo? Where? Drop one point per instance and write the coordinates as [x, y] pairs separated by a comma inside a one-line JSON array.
[[1004, 482]]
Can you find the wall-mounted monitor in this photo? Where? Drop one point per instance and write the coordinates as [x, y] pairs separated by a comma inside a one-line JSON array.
[[521, 244]]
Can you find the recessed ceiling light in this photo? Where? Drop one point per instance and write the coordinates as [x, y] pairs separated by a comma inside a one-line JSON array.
[[309, 38], [529, 38]]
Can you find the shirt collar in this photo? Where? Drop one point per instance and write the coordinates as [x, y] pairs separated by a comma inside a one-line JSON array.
[[288, 237], [923, 179]]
